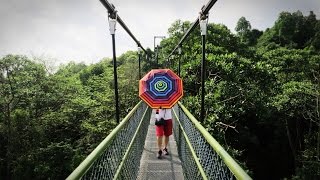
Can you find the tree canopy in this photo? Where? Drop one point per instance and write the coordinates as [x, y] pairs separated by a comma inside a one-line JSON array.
[[262, 100]]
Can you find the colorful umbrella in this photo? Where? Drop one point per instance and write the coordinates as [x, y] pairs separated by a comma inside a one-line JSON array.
[[161, 88]]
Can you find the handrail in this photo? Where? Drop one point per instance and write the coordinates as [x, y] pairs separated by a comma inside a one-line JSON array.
[[234, 167], [129, 147], [204, 176], [87, 163]]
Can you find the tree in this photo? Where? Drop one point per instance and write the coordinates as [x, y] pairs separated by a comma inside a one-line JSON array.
[[292, 30], [262, 100], [257, 98], [21, 97], [243, 29]]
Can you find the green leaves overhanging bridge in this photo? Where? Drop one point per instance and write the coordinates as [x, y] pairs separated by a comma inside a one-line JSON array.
[[129, 151]]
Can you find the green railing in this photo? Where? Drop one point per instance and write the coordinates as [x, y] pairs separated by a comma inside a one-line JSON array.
[[118, 155], [202, 157]]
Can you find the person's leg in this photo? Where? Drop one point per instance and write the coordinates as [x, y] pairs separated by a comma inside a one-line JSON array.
[[166, 141], [159, 142], [167, 133], [159, 134]]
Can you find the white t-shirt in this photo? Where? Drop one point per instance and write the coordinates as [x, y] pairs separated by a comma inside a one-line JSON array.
[[166, 114]]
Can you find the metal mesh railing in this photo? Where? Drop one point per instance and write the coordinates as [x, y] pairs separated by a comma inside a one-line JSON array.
[[118, 156], [201, 155]]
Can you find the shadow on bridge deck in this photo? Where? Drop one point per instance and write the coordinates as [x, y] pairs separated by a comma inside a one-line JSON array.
[[169, 167]]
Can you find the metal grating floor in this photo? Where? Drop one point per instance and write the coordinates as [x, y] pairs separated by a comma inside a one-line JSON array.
[[152, 168]]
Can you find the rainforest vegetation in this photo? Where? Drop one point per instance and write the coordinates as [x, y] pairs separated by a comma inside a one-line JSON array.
[[262, 100]]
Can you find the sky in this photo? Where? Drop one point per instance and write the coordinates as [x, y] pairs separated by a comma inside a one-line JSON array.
[[78, 30]]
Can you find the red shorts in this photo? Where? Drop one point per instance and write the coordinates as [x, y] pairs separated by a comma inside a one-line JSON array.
[[166, 129]]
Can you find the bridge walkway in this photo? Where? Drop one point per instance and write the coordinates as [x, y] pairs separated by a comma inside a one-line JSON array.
[[168, 168]]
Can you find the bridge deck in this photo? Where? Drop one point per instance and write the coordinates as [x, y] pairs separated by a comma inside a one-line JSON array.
[[169, 167]]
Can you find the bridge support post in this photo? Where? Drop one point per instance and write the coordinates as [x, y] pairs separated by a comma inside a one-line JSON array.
[[139, 55], [154, 47], [203, 21], [179, 62], [156, 56], [112, 25]]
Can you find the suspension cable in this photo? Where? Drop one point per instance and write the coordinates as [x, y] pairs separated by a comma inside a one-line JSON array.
[[204, 11], [111, 9]]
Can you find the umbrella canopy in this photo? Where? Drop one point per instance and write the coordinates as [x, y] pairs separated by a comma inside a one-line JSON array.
[[160, 88]]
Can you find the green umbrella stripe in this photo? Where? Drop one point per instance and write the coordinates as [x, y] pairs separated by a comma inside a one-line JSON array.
[[160, 86]]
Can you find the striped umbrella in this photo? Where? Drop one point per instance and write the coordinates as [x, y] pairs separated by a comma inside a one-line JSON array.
[[160, 88]]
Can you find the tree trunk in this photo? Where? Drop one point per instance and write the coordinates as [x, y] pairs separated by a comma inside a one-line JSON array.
[[298, 135], [8, 153], [318, 116], [293, 150], [318, 147]]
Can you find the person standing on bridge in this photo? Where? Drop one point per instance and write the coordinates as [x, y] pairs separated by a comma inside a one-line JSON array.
[[163, 129]]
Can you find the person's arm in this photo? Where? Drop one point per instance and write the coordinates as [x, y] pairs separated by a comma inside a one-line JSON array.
[[157, 115]]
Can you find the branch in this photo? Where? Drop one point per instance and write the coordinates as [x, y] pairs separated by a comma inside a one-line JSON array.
[[229, 99], [215, 75], [315, 76], [310, 118], [227, 126]]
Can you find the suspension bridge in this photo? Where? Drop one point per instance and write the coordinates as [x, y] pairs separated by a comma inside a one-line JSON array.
[[129, 151]]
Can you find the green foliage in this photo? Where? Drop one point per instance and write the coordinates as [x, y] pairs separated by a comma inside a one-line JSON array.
[[293, 30], [243, 28], [262, 90], [262, 100], [247, 36], [50, 122], [71, 69]]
